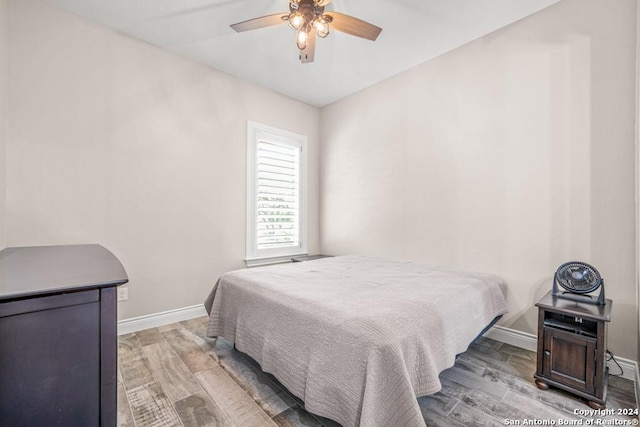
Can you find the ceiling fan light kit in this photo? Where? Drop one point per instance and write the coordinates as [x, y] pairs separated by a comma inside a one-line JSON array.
[[307, 17]]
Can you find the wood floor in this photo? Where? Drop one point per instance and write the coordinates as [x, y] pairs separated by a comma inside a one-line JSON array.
[[174, 375]]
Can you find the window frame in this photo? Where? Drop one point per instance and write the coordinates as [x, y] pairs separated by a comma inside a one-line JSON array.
[[255, 133]]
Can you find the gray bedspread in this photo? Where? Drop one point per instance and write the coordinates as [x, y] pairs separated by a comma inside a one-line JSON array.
[[356, 338]]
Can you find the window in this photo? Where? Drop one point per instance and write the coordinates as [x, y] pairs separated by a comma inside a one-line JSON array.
[[276, 185]]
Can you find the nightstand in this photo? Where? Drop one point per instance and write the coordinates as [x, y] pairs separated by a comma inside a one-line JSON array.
[[309, 257], [572, 342]]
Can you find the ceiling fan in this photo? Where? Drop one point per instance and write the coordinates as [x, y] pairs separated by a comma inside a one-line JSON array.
[[308, 18]]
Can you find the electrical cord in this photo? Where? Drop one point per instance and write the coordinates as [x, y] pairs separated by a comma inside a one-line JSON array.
[[611, 357]]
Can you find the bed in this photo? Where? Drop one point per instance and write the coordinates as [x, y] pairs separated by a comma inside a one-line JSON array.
[[356, 338]]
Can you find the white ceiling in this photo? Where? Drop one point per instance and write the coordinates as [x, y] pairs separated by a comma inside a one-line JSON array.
[[414, 31]]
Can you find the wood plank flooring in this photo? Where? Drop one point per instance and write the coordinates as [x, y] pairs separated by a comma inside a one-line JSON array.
[[175, 376]]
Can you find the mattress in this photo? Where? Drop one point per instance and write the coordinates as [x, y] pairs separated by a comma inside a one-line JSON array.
[[356, 338]]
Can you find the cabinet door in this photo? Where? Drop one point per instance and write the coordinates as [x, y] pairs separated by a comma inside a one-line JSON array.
[[50, 361], [569, 359]]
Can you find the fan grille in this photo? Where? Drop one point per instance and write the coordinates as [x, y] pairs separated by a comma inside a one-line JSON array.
[[578, 277]]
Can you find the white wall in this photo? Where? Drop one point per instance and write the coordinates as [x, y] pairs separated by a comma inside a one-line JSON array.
[[512, 154], [118, 142], [4, 88]]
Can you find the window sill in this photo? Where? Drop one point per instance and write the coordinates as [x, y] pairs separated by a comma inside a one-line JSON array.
[[257, 262]]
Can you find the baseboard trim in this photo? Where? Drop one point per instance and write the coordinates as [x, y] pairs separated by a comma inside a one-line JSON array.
[[513, 337], [530, 342], [135, 324]]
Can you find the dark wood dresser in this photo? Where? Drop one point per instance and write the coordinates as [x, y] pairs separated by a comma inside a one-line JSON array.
[[572, 342], [58, 337]]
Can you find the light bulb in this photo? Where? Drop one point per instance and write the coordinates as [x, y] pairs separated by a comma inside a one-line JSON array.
[[321, 26], [296, 20], [302, 39]]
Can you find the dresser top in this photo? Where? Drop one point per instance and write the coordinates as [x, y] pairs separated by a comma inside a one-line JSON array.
[[40, 270]]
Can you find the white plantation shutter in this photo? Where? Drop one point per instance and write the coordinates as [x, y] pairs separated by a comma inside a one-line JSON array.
[[275, 192], [278, 195]]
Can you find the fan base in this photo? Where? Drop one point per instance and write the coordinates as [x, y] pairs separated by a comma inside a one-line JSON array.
[[587, 299]]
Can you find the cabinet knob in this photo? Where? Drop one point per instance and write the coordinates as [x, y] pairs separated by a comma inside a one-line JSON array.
[[547, 353]]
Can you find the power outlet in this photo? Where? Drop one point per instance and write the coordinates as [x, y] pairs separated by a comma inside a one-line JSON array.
[[123, 294]]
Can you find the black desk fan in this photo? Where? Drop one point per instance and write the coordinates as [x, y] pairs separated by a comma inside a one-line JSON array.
[[578, 279]]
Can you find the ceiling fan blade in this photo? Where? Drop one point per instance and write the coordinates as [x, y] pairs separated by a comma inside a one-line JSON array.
[[263, 21], [323, 2], [307, 54], [354, 26]]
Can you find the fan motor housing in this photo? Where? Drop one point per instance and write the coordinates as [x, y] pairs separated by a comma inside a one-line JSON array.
[[579, 279]]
